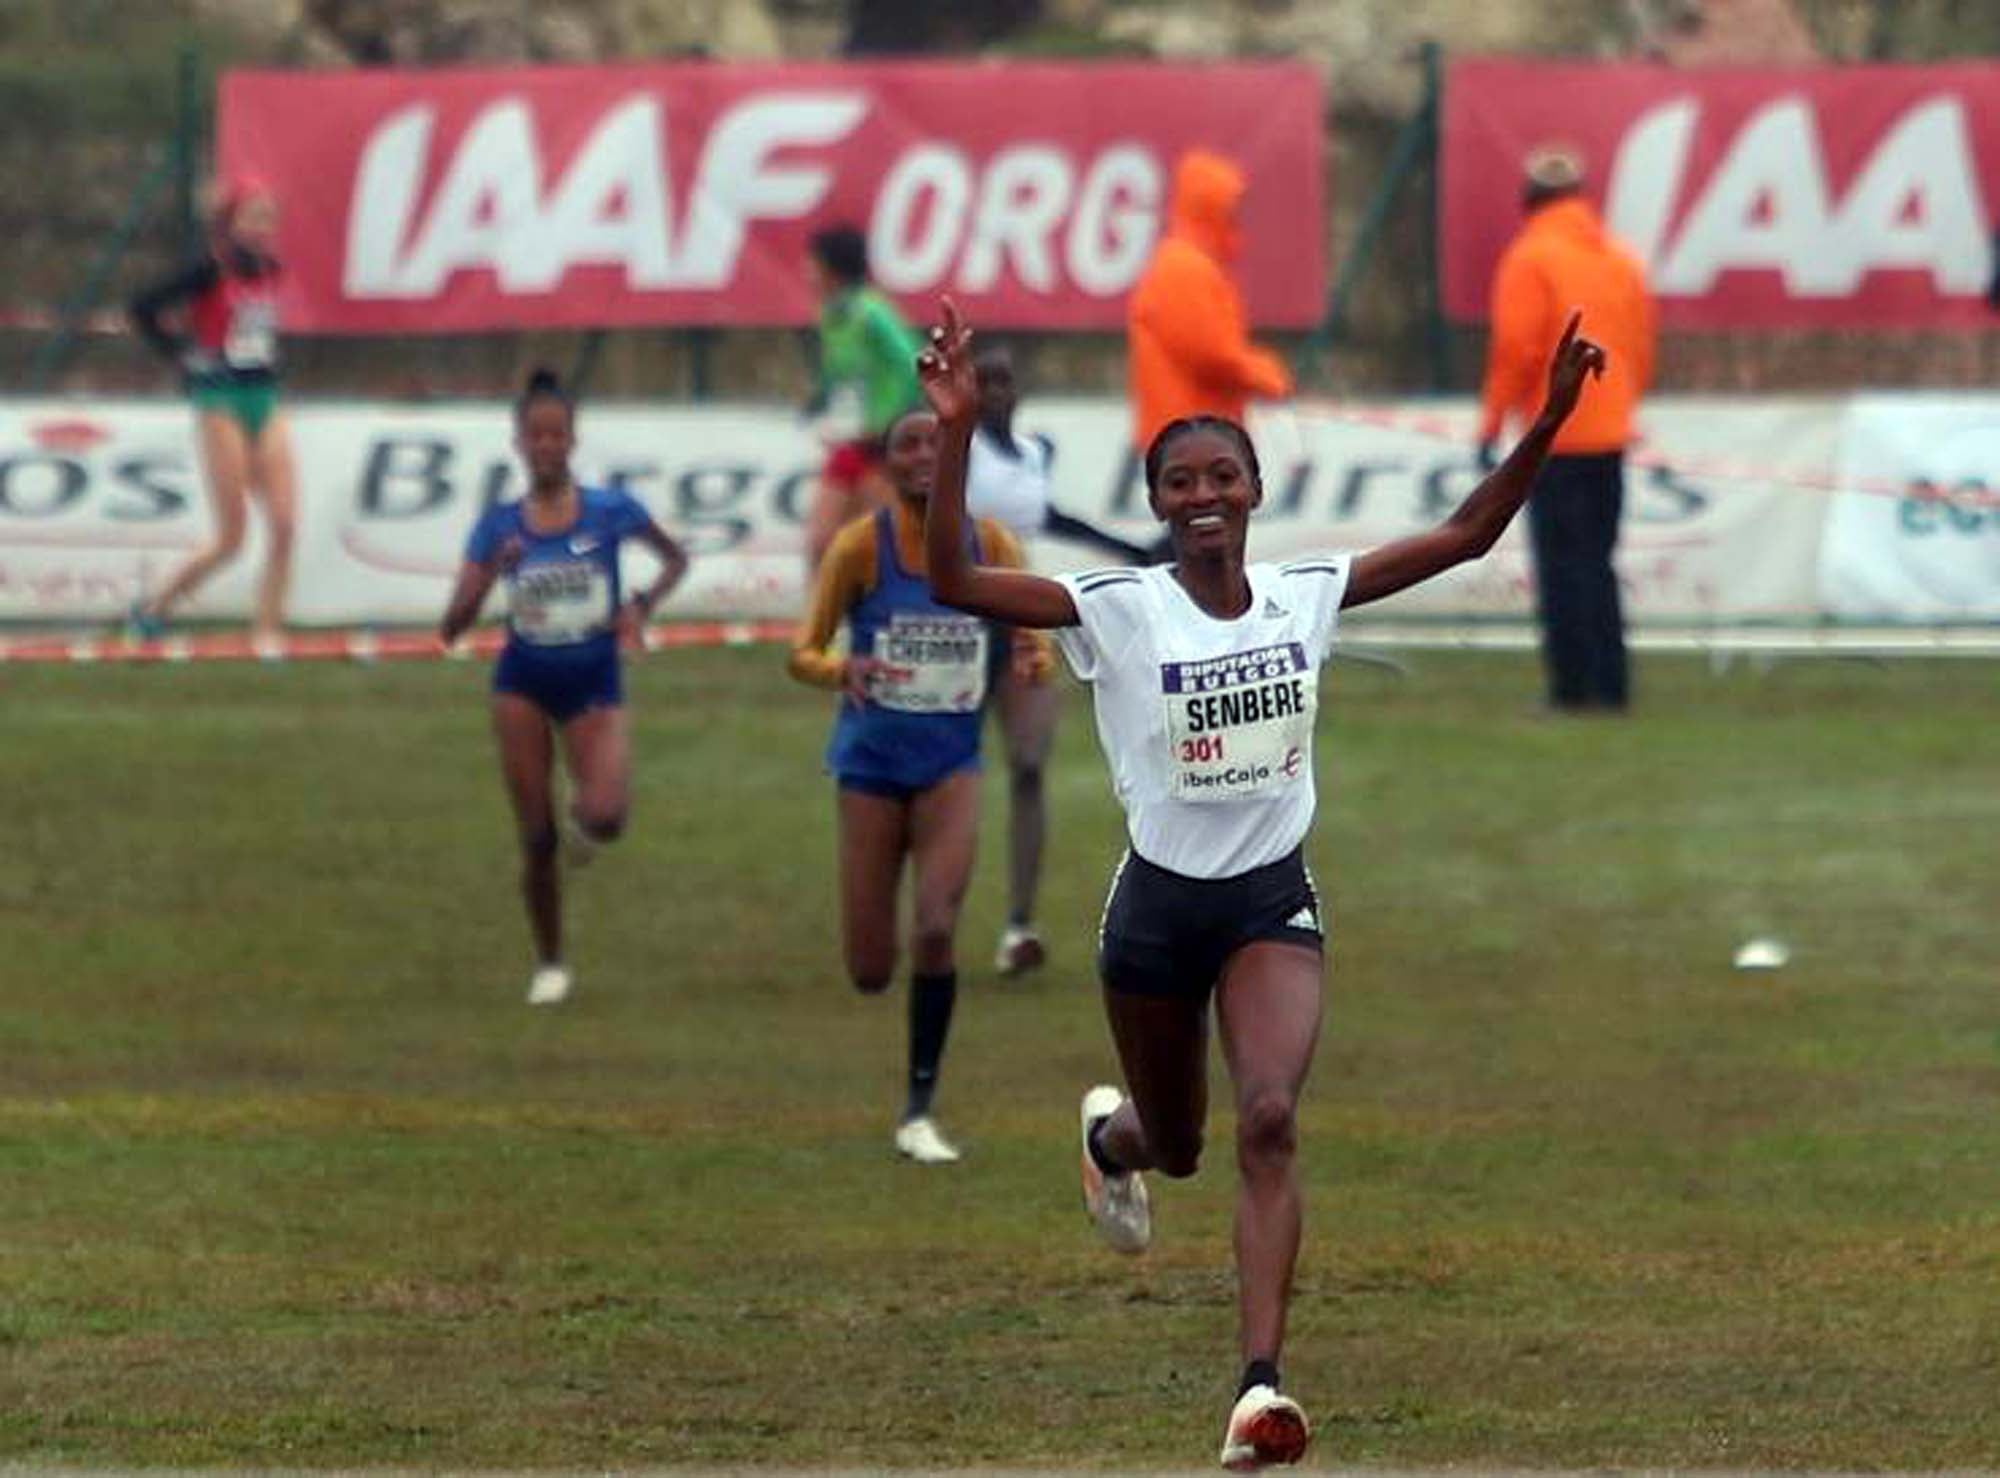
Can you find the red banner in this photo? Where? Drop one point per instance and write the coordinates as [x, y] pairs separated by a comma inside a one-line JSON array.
[[456, 201], [1843, 197]]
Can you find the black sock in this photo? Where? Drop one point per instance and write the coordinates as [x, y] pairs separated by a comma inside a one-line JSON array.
[[1258, 1373], [1098, 1154], [931, 1000]]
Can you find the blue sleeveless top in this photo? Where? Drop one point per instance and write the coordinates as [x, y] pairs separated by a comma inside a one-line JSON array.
[[922, 718], [564, 588]]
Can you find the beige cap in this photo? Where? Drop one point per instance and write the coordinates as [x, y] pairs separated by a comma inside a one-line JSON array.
[[1554, 167]]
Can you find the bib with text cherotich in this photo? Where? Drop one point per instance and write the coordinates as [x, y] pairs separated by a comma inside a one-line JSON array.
[[934, 663], [1239, 725]]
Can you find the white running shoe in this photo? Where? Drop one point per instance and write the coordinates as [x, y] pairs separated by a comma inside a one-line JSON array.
[[919, 1140], [1265, 1429], [1021, 950], [1117, 1203], [550, 985]]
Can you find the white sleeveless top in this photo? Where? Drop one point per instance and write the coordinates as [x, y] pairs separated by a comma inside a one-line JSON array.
[[1012, 490], [1208, 724]]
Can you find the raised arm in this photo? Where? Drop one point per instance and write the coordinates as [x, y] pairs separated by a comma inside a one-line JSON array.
[[1473, 527], [1015, 597]]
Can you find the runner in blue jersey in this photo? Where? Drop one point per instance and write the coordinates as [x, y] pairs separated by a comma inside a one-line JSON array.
[[905, 748], [557, 551]]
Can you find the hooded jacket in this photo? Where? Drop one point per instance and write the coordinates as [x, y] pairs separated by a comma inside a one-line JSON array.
[[1562, 260], [1190, 350]]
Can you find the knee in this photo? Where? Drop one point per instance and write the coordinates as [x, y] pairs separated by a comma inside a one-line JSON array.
[[1267, 1129], [602, 821], [871, 970], [1026, 779], [228, 540], [281, 530]]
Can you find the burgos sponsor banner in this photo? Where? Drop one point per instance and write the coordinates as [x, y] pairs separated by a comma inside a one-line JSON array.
[[98, 502], [1829, 197], [450, 201], [1915, 532]]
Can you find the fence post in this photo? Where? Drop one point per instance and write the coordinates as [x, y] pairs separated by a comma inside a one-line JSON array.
[[186, 148], [1437, 337], [1415, 146]]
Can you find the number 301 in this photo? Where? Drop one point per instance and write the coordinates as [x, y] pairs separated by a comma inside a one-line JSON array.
[[1207, 747]]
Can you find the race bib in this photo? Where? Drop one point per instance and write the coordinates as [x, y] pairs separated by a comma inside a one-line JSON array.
[[561, 602], [1239, 725], [253, 334], [934, 664]]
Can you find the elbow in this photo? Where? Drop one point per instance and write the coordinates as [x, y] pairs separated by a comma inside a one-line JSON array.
[[1470, 540], [951, 586]]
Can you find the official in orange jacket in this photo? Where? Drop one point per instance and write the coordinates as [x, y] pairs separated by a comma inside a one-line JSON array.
[[1562, 261], [1191, 353]]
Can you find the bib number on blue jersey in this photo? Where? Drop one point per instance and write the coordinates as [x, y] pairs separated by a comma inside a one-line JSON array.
[[561, 602], [933, 664], [1239, 725]]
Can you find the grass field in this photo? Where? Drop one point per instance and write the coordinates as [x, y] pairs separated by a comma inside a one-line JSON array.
[[291, 1177]]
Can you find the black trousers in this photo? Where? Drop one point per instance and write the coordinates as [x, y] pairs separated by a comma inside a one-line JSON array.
[[1573, 524]]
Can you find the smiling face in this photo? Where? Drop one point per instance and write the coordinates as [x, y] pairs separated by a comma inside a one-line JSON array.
[[545, 435], [911, 456], [1203, 485]]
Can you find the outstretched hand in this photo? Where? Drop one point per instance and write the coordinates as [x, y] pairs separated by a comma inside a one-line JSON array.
[[945, 368], [1576, 360]]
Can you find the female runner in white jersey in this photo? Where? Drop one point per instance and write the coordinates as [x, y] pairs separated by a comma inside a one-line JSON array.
[[1206, 683], [1008, 479]]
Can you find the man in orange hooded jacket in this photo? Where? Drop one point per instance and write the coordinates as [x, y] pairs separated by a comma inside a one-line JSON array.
[[1191, 353], [1564, 261]]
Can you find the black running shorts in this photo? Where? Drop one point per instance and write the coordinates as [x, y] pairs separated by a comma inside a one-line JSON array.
[[1168, 935]]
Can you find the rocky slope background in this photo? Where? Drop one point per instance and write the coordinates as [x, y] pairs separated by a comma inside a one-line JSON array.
[[87, 94]]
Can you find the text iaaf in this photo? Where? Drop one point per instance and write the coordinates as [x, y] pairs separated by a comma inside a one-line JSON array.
[[1052, 216]]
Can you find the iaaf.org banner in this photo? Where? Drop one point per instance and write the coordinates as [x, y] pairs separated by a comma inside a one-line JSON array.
[[450, 201], [1829, 197], [1915, 532], [98, 503]]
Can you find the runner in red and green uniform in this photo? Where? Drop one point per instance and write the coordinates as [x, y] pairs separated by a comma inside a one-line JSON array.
[[867, 358], [218, 320]]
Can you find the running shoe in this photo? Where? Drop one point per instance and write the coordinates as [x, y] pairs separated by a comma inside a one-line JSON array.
[[1117, 1203], [1020, 950], [1266, 1429], [550, 985], [919, 1140]]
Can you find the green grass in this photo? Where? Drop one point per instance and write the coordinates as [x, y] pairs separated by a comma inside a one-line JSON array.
[[290, 1176]]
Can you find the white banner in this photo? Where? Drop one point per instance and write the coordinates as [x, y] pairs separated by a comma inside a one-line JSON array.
[[1915, 532], [99, 500]]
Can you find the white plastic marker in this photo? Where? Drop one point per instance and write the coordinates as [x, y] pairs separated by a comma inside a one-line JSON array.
[[1762, 954]]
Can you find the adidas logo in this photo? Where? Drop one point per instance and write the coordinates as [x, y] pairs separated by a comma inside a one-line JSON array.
[[1272, 610], [1305, 918]]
